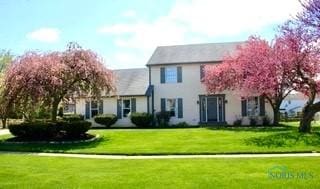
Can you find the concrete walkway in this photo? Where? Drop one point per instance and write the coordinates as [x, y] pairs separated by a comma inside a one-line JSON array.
[[4, 132], [164, 156]]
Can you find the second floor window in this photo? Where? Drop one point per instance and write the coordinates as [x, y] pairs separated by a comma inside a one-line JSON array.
[[171, 75]]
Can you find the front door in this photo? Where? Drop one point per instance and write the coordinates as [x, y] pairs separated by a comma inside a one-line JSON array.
[[212, 109]]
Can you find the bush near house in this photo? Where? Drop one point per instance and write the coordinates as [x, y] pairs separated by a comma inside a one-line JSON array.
[[266, 121], [73, 117], [181, 125], [44, 130], [35, 130], [75, 129], [253, 121], [237, 122], [106, 119], [163, 118], [141, 119]]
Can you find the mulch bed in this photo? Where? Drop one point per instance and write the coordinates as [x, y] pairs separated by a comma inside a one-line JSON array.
[[57, 140]]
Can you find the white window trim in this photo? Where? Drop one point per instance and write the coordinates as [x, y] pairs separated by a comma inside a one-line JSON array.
[[165, 74], [122, 107], [248, 106]]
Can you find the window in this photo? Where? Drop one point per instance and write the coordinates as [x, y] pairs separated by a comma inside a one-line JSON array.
[[253, 106], [202, 72], [126, 107], [171, 75], [69, 108], [94, 108], [171, 106]]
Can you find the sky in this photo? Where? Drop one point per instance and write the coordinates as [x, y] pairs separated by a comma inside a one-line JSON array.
[[126, 32]]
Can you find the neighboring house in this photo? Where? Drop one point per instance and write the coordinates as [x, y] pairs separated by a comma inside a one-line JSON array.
[[294, 103], [133, 95], [172, 83]]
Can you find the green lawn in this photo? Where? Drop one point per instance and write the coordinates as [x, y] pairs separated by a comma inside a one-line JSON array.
[[186, 141], [22, 171]]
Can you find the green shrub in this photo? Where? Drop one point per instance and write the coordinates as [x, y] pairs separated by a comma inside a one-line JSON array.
[[73, 117], [75, 129], [237, 122], [35, 130], [18, 130], [266, 121], [163, 118], [141, 119], [181, 124], [106, 119], [253, 121]]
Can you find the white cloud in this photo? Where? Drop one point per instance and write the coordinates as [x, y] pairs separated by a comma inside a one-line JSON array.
[[124, 59], [48, 35], [120, 29], [196, 21], [230, 17]]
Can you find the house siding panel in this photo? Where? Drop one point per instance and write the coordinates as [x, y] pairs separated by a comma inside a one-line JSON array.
[[110, 107], [189, 90]]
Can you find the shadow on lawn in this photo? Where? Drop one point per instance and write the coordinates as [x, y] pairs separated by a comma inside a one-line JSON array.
[[47, 147], [285, 139], [252, 128]]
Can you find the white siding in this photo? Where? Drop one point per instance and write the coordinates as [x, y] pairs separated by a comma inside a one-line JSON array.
[[189, 90], [110, 107]]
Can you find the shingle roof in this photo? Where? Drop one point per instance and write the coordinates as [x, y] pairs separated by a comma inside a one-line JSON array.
[[194, 53], [131, 82]]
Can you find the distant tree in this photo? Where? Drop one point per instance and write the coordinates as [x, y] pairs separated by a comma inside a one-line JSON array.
[[5, 60], [256, 68], [49, 78]]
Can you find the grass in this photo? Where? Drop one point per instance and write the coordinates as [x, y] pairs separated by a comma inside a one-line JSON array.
[[186, 141], [17, 171]]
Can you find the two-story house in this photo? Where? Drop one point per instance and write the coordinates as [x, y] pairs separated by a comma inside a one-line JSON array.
[[173, 83], [176, 73]]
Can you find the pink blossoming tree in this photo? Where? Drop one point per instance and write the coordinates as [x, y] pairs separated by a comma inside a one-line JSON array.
[[256, 68], [49, 78], [304, 52], [309, 18]]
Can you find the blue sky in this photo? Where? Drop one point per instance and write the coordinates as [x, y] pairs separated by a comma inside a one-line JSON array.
[[125, 32]]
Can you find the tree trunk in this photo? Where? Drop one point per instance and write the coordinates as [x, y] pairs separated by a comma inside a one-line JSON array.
[[276, 112], [4, 123], [306, 119], [54, 110], [276, 117]]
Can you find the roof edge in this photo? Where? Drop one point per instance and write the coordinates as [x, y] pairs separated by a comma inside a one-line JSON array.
[[200, 62]]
